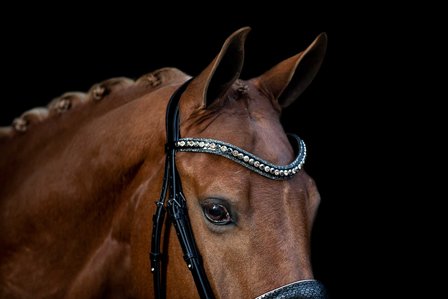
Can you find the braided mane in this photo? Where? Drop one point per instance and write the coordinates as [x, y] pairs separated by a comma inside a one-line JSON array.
[[98, 92]]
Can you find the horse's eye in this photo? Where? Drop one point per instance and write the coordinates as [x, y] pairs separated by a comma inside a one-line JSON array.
[[217, 214]]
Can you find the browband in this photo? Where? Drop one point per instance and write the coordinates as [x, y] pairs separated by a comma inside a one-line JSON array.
[[246, 159]]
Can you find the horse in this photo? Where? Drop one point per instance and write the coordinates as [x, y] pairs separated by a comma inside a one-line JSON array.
[[81, 183]]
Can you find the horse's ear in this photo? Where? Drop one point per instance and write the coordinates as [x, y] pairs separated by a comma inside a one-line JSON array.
[[222, 72], [288, 79]]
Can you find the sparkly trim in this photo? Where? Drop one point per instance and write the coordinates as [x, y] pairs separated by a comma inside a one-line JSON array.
[[248, 160]]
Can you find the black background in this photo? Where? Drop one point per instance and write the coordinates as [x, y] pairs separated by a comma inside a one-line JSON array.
[[354, 116]]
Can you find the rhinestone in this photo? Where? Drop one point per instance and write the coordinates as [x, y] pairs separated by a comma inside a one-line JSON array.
[[201, 145]]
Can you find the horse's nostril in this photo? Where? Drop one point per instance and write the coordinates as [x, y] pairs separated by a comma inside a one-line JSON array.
[[303, 289]]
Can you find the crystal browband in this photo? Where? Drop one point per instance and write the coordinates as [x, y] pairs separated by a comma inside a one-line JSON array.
[[248, 160]]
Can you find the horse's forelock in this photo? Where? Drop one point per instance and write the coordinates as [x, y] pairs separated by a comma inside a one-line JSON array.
[[201, 118]]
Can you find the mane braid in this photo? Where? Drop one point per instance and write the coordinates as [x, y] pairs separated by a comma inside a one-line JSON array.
[[98, 92]]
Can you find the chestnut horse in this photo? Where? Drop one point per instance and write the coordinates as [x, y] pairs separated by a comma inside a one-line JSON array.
[[79, 179]]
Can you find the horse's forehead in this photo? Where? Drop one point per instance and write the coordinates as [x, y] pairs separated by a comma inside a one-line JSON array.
[[248, 119]]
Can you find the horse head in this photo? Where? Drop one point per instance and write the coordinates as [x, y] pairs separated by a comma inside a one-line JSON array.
[[253, 232]]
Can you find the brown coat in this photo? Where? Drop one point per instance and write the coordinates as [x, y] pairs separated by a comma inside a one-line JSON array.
[[80, 177]]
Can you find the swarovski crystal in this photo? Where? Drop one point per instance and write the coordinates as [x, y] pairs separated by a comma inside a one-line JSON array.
[[246, 159]]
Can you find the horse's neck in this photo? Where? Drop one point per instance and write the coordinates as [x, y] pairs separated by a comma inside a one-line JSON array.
[[85, 172], [78, 188]]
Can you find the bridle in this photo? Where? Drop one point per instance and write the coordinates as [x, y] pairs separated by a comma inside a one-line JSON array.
[[177, 209], [176, 204]]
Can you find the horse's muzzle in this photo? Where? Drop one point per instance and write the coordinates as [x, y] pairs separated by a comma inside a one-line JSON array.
[[303, 289]]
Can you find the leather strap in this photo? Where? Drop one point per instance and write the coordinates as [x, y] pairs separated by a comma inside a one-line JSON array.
[[177, 209]]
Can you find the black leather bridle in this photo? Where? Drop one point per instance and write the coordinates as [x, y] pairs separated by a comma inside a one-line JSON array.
[[176, 204], [177, 209]]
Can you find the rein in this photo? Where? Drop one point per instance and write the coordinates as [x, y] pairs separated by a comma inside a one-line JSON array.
[[176, 204]]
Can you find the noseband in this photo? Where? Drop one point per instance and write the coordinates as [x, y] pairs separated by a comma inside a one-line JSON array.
[[176, 203]]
